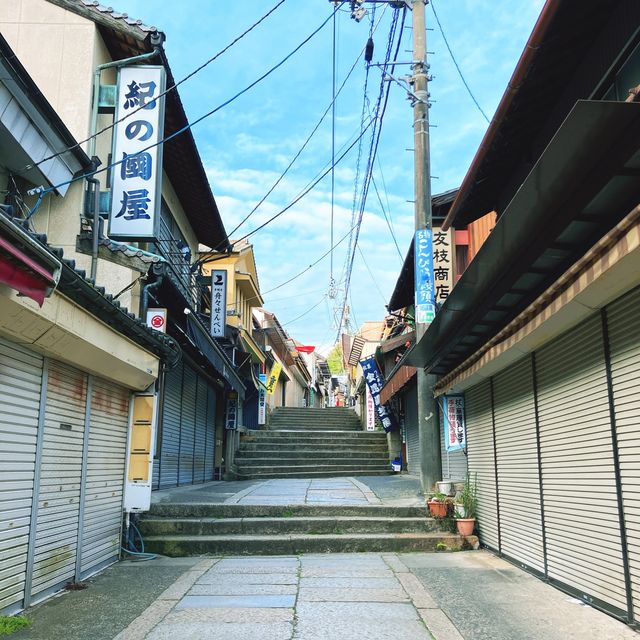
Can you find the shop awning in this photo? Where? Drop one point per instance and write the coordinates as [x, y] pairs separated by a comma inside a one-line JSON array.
[[24, 274], [397, 381]]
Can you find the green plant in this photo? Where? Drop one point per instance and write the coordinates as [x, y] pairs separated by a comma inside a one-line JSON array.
[[437, 497], [441, 546], [469, 496], [9, 624]]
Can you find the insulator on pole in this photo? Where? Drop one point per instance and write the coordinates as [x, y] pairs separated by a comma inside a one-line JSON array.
[[368, 51]]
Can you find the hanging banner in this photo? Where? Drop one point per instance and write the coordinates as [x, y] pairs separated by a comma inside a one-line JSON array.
[[371, 412], [218, 302], [374, 384], [425, 305], [452, 408], [262, 399], [136, 188], [443, 264], [272, 380]]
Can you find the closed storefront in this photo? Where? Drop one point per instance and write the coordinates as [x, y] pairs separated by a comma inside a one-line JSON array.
[[410, 402], [185, 448], [63, 445], [555, 442], [454, 463]]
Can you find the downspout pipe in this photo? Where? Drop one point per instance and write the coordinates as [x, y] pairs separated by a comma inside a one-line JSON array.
[[95, 233], [148, 291], [533, 44], [157, 40]]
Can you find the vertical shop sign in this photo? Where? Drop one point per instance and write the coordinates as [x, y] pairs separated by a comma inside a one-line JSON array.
[[452, 408], [231, 418], [157, 319], [425, 306], [136, 189], [374, 384], [443, 264], [262, 399], [218, 302]]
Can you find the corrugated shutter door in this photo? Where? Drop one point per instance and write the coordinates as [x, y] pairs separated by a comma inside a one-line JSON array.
[[105, 475], [201, 430], [188, 426], [411, 430], [209, 459], [581, 514], [624, 340], [20, 386], [454, 463], [518, 471], [58, 505], [481, 460], [170, 436]]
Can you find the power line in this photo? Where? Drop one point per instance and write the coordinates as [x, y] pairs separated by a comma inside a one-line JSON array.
[[444, 37], [164, 93], [188, 125], [384, 213], [375, 282], [302, 315]]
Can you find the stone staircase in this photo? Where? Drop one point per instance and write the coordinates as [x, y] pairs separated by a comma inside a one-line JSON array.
[[217, 529], [312, 443]]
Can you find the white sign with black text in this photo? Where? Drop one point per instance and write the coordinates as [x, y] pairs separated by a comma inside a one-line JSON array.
[[218, 302], [137, 176]]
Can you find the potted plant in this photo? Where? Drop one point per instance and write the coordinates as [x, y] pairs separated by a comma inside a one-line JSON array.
[[438, 505], [444, 486], [466, 508]]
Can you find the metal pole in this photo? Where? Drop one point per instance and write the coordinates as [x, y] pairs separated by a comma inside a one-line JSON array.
[[428, 429]]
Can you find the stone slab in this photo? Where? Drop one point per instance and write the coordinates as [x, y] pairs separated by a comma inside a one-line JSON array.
[[225, 589], [250, 579], [217, 631], [332, 594], [439, 625], [244, 602], [349, 583]]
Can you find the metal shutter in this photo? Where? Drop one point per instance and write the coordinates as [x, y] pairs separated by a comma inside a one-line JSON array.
[[188, 425], [210, 445], [518, 470], [624, 341], [102, 516], [20, 387], [170, 437], [58, 504], [411, 429], [201, 430], [454, 463], [481, 460], [581, 513]]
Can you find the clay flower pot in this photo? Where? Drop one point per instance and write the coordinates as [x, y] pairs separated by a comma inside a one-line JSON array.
[[465, 526], [438, 509]]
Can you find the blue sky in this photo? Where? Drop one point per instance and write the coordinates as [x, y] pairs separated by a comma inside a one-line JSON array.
[[246, 146]]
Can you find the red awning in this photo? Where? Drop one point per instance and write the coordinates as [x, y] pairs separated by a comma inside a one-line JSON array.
[[396, 382], [23, 273]]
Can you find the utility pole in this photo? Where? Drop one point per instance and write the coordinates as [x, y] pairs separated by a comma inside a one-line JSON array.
[[428, 428]]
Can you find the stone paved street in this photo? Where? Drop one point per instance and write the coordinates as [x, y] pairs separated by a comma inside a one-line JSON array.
[[357, 596]]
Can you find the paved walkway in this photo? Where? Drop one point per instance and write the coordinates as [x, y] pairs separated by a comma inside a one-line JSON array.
[[401, 490]]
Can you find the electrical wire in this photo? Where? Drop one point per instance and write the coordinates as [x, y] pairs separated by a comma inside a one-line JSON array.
[[302, 315], [373, 279], [384, 213], [164, 93], [188, 125], [457, 66]]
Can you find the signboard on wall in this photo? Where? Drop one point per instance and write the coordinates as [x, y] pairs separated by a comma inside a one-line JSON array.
[[373, 378], [136, 187], [425, 305], [231, 415], [262, 399], [218, 302], [157, 319], [371, 412], [443, 264], [452, 408]]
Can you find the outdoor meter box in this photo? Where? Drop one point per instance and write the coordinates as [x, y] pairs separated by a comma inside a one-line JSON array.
[[142, 427]]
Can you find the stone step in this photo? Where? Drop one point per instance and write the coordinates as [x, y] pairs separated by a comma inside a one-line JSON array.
[[285, 473], [268, 526], [226, 510], [252, 467], [327, 450], [320, 436], [282, 455], [293, 544], [296, 426]]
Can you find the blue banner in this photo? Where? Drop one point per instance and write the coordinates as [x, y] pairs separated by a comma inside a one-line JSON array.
[[374, 381], [452, 408], [425, 293]]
